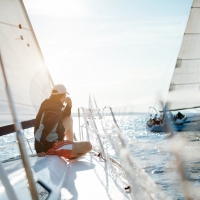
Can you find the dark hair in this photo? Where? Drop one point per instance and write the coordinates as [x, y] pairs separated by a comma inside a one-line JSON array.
[[57, 96]]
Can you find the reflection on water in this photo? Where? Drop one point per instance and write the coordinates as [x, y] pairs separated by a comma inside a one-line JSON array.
[[9, 147], [152, 151]]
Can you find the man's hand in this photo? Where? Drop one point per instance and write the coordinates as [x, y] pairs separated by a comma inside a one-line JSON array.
[[68, 101], [42, 154]]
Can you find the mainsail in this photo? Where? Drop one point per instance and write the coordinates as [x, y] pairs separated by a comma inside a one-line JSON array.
[[27, 75], [184, 90]]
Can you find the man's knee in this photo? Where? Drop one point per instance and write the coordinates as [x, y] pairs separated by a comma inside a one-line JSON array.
[[88, 146], [82, 147]]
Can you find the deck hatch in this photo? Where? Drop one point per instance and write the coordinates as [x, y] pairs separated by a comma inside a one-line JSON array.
[[43, 191]]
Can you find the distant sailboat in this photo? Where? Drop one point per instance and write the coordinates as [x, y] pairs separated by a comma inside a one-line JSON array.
[[184, 89]]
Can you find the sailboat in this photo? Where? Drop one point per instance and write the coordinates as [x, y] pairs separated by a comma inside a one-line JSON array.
[[24, 83], [184, 91]]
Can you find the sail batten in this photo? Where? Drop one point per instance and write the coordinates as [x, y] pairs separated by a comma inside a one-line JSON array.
[[188, 83], [13, 25], [184, 90], [188, 59]]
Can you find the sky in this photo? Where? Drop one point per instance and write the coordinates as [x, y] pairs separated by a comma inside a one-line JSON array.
[[121, 52]]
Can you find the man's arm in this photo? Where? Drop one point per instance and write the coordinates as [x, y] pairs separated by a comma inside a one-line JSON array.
[[67, 110], [49, 121]]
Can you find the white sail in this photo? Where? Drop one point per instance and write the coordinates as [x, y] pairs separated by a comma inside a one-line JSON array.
[[24, 65], [184, 90]]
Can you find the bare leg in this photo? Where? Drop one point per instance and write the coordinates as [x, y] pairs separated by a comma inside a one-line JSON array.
[[80, 149], [68, 124]]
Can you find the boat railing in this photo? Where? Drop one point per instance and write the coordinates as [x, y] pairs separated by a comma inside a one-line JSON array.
[[138, 183], [89, 129], [152, 108], [141, 184], [15, 142], [27, 140]]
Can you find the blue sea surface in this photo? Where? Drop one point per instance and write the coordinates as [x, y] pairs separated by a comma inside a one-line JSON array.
[[155, 154], [151, 150]]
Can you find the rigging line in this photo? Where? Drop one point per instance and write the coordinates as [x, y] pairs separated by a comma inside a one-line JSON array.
[[188, 58], [185, 83], [4, 23], [191, 33], [181, 109], [187, 73]]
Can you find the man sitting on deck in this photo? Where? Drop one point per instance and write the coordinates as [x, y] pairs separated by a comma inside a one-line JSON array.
[[53, 123]]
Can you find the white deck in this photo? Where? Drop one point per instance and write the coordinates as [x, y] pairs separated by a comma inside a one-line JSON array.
[[83, 178]]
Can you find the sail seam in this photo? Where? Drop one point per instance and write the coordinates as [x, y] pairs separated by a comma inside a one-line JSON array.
[[188, 59], [181, 109], [186, 83], [13, 25], [29, 105], [191, 33], [185, 73]]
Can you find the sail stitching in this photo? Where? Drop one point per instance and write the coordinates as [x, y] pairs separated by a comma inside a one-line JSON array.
[[191, 33], [188, 59], [187, 83]]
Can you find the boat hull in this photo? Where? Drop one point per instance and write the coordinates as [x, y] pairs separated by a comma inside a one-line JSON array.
[[176, 127]]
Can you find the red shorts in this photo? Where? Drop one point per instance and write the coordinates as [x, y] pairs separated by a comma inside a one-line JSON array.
[[61, 148]]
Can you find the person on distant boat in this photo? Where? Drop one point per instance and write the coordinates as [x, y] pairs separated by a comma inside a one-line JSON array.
[[156, 120], [155, 117], [151, 120], [53, 122], [179, 118]]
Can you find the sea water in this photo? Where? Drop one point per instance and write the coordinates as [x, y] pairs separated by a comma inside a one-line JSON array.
[[155, 153], [152, 151]]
